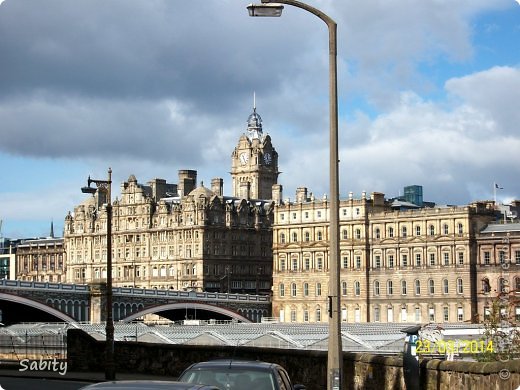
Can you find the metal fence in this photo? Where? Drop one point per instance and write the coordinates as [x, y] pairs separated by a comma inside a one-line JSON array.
[[16, 347]]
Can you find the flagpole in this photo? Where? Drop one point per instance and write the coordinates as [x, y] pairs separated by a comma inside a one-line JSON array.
[[495, 193]]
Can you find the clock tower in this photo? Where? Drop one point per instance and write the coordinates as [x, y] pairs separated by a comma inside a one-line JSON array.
[[254, 162]]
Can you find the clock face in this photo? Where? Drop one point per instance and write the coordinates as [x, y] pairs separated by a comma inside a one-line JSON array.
[[268, 158], [244, 158]]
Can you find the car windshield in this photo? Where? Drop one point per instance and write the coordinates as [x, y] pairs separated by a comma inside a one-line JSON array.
[[230, 379]]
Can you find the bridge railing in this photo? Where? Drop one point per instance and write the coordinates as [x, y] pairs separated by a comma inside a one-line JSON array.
[[195, 295], [43, 285], [16, 347]]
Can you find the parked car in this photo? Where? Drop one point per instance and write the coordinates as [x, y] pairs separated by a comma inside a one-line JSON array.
[[230, 374], [147, 385]]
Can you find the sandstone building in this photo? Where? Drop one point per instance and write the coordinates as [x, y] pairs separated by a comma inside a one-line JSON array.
[[183, 236]]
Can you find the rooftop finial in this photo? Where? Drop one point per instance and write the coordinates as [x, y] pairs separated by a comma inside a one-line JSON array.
[[254, 101]]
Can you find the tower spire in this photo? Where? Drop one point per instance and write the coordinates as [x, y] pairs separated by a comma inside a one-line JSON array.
[[254, 101]]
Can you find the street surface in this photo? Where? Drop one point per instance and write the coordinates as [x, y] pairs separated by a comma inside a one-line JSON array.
[[10, 383]]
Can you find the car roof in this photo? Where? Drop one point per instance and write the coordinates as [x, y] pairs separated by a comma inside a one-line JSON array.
[[235, 363], [147, 385]]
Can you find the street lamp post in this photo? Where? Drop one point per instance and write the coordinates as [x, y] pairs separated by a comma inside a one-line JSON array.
[[335, 358], [105, 186]]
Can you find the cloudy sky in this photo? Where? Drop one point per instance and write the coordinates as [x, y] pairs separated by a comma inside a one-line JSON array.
[[429, 94]]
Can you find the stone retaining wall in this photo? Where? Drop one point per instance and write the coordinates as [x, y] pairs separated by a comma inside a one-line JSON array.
[[360, 371]]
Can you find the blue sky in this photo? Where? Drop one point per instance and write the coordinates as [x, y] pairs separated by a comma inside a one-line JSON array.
[[428, 94]]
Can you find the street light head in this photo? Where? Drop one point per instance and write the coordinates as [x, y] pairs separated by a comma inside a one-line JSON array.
[[88, 190], [268, 9]]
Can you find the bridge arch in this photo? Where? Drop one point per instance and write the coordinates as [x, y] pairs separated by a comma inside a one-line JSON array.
[[38, 305], [183, 305]]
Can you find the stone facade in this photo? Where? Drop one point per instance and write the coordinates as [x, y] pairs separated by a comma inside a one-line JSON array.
[[398, 264], [41, 260]]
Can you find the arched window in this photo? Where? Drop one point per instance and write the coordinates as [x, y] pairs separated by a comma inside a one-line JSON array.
[[390, 287], [357, 288], [417, 287], [403, 287], [343, 288], [282, 290], [293, 289], [376, 288], [445, 286], [305, 289], [431, 286], [460, 286]]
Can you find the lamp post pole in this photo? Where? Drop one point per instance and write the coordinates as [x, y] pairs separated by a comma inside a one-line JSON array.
[[106, 186], [335, 357]]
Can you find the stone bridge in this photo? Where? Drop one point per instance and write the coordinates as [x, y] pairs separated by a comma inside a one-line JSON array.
[[86, 303]]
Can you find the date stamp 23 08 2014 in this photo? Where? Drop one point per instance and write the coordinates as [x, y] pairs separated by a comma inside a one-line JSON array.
[[453, 346]]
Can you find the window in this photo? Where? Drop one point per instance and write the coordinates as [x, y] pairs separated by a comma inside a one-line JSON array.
[[377, 314], [417, 230], [446, 313], [307, 236], [305, 289], [319, 235], [417, 259], [307, 263], [431, 286], [445, 229], [460, 258], [319, 263], [344, 262], [293, 289], [293, 315], [306, 316], [431, 314], [486, 287], [432, 259], [460, 228], [358, 262], [294, 264], [282, 264], [446, 257], [293, 215], [404, 232], [487, 258], [357, 288], [390, 232], [318, 314], [376, 288], [390, 314], [501, 257], [318, 214], [460, 314], [282, 238], [502, 285], [417, 287], [294, 237], [445, 286], [417, 314], [460, 286], [404, 314], [431, 230], [390, 287], [345, 234], [282, 290], [358, 234], [378, 233], [487, 313], [318, 289], [404, 260], [517, 257], [343, 288], [377, 261], [403, 287], [390, 261], [357, 315], [517, 284]]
